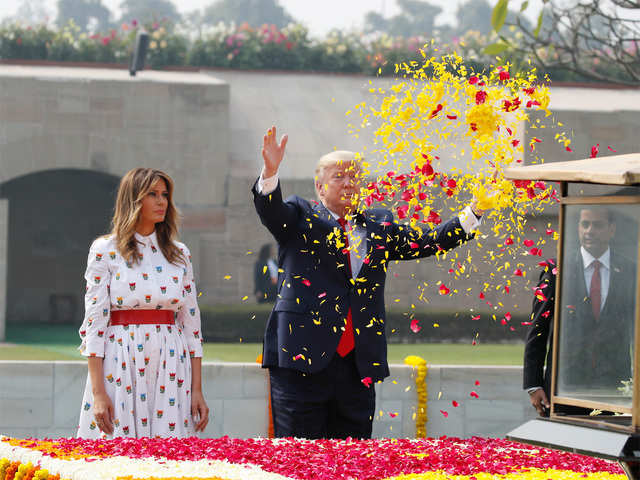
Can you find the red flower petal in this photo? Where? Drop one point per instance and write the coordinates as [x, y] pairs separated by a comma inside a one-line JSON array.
[[415, 328]]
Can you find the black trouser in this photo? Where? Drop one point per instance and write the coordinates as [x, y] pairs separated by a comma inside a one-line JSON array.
[[333, 403]]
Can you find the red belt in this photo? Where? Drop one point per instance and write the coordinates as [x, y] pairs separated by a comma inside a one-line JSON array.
[[142, 317]]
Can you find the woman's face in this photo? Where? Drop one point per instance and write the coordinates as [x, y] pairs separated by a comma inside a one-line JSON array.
[[155, 203]]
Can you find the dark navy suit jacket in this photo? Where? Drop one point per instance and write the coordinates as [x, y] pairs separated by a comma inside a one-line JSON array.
[[609, 337], [315, 290]]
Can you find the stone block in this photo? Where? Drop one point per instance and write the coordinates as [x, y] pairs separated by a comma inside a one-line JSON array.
[[209, 220], [389, 411], [215, 427], [210, 192], [409, 419], [437, 425], [216, 94], [245, 418], [386, 429], [27, 380], [240, 189], [69, 150], [18, 158], [26, 412], [19, 131], [223, 380], [70, 379], [104, 89], [495, 382], [25, 109], [72, 98], [65, 432], [494, 409], [255, 382], [395, 386], [103, 104], [492, 417], [17, 432]]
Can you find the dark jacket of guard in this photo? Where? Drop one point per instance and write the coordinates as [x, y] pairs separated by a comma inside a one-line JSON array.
[[595, 354], [262, 282], [315, 290]]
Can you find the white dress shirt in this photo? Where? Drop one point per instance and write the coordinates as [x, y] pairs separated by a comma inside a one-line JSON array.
[[273, 269], [605, 272], [357, 234]]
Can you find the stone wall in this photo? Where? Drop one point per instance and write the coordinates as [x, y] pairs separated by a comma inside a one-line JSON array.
[[66, 137], [206, 129], [41, 399]]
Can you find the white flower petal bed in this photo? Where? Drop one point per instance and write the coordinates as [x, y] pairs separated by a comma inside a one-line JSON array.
[[115, 467]]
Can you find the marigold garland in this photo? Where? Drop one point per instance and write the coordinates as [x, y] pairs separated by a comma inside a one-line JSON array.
[[26, 471], [420, 364]]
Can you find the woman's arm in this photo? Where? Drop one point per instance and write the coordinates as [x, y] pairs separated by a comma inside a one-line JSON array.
[[199, 408], [102, 404], [189, 320], [93, 330]]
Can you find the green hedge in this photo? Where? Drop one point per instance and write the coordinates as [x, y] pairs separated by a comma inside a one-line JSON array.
[[233, 323]]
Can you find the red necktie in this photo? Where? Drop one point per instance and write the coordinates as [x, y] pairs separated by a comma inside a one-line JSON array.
[[594, 291], [347, 342]]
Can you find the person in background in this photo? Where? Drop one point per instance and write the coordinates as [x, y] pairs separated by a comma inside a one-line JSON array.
[[141, 330], [265, 275], [599, 291]]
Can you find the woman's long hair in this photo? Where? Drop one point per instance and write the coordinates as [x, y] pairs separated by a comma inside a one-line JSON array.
[[134, 186]]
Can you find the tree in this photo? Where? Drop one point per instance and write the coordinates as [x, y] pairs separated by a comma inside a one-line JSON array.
[[149, 10], [476, 15], [254, 12], [595, 39], [32, 12], [416, 18], [89, 15]]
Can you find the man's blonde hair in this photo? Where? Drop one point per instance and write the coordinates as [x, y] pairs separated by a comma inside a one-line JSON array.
[[334, 158]]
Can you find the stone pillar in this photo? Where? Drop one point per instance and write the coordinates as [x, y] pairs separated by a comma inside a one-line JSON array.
[[4, 260]]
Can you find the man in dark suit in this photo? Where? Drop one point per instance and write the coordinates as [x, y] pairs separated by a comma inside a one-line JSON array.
[[598, 291], [325, 343]]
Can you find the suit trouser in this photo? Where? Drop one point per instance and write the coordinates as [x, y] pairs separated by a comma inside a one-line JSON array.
[[332, 403]]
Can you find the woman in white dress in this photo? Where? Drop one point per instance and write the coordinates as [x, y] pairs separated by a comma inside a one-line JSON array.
[[141, 330]]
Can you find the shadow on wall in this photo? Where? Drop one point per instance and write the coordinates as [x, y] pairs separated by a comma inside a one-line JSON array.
[[54, 216]]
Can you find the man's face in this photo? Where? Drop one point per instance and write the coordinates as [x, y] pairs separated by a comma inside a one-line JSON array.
[[595, 231], [338, 186]]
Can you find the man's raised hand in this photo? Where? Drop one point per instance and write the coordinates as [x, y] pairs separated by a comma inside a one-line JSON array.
[[272, 153]]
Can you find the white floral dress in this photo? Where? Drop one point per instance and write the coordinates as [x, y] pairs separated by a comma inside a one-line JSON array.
[[147, 368]]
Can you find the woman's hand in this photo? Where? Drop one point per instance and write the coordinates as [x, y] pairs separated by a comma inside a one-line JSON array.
[[272, 153], [103, 412], [199, 410]]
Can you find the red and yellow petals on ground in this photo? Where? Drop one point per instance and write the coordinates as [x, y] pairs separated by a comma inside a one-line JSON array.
[[261, 458]]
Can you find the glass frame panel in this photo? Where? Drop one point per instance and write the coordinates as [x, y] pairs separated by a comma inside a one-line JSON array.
[[630, 420]]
